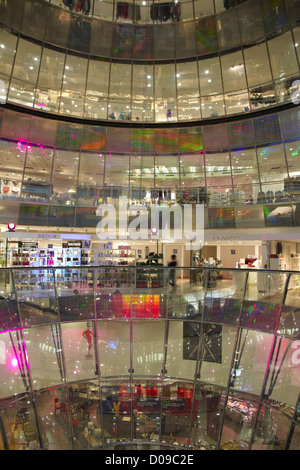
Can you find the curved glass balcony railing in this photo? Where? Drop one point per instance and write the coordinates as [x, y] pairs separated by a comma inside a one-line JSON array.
[[92, 358], [56, 174], [160, 74]]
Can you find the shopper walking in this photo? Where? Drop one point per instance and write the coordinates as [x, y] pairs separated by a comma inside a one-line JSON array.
[[172, 272]]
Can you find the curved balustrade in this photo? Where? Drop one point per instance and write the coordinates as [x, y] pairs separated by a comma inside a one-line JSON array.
[[161, 73], [245, 173], [90, 358]]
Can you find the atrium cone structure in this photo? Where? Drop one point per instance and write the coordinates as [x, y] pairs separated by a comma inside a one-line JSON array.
[[121, 122]]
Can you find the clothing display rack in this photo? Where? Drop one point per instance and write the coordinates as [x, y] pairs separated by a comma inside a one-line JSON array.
[[163, 12], [128, 11]]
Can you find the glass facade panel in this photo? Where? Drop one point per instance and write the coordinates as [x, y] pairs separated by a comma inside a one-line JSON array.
[[27, 61]]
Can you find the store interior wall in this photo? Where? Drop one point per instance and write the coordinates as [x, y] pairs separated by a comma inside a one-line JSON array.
[[231, 254]]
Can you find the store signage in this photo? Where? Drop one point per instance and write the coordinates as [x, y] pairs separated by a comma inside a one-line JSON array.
[[226, 238], [27, 245], [72, 244]]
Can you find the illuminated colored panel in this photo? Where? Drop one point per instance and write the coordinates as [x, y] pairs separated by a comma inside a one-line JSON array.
[[166, 140], [190, 139], [93, 138], [206, 35], [68, 136], [221, 217], [240, 134], [142, 140]]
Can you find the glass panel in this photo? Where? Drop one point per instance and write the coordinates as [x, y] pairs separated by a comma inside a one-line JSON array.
[[166, 176], [247, 216], [223, 299], [207, 416], [288, 63], [79, 350], [292, 184], [273, 173], [206, 36], [212, 106], [271, 430], [47, 99], [252, 355], [122, 40], [188, 109], [51, 70], [294, 445], [143, 110], [228, 33], [74, 82], [9, 317], [120, 81], [148, 347], [223, 217], [192, 175], [21, 92], [101, 38], [245, 176], [74, 287], [35, 291], [142, 82], [4, 84], [251, 23], [240, 415], [261, 308], [262, 96], [79, 35], [34, 19], [187, 80], [38, 164], [233, 71], [163, 43], [119, 109], [185, 44], [213, 360], [52, 409], [45, 356], [14, 361], [19, 422], [274, 16], [33, 214], [282, 385], [27, 61], [267, 129], [103, 10], [257, 65], [85, 410], [141, 177], [117, 173], [218, 172], [203, 8], [114, 342], [176, 412], [65, 167], [7, 51], [91, 169], [178, 362], [210, 76], [12, 158], [58, 26]]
